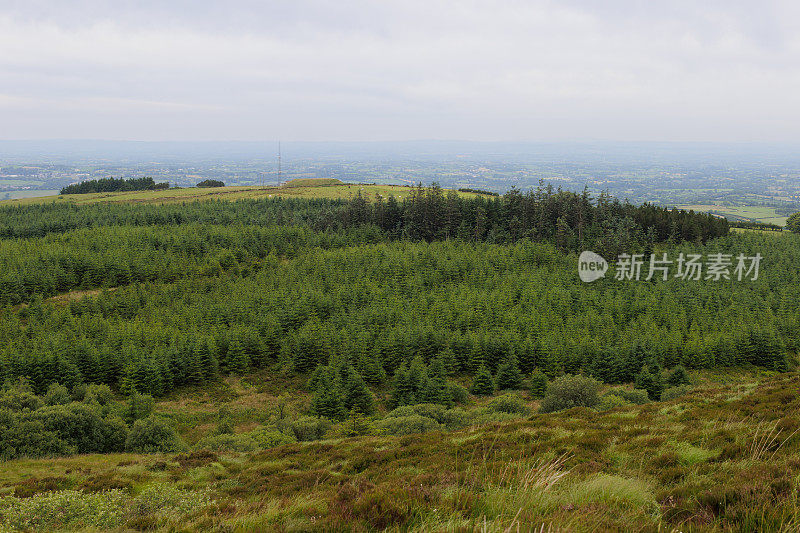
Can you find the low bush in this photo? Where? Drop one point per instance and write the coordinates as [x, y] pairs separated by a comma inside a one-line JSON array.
[[458, 393], [635, 396], [428, 410], [100, 394], [153, 435], [308, 428], [610, 401], [20, 397], [406, 425], [455, 418], [104, 510], [508, 403], [269, 437], [675, 392], [570, 391], [227, 442], [57, 394]]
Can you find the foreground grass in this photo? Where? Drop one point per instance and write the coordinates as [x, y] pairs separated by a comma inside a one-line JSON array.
[[724, 458]]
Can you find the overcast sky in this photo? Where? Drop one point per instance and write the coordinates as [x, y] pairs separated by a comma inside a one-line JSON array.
[[393, 70]]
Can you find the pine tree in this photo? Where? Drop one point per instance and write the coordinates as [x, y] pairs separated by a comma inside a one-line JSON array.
[[678, 376], [402, 391], [508, 374], [438, 390], [237, 358], [327, 400], [538, 382], [482, 385], [358, 397], [650, 381]]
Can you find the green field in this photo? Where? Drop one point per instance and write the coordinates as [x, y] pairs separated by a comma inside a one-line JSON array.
[[766, 215], [300, 188]]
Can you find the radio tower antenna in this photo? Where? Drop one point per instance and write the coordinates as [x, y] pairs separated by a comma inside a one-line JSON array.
[[279, 162]]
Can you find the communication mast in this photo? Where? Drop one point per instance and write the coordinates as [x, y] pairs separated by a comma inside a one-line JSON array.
[[279, 162]]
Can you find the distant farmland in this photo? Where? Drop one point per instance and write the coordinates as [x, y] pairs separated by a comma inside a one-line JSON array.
[[300, 188], [750, 213]]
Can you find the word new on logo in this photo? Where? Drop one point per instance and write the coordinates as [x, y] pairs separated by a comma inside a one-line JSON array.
[[591, 266]]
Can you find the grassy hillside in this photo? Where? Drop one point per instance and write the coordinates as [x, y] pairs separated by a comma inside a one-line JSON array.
[[723, 458], [299, 188]]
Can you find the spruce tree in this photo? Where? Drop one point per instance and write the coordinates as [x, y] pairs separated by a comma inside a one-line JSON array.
[[651, 382], [450, 362], [327, 401], [370, 368], [508, 374], [482, 385], [402, 390], [358, 397], [418, 377], [678, 376], [437, 390], [538, 384]]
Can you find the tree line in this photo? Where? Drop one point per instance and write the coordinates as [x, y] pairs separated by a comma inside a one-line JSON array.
[[114, 185]]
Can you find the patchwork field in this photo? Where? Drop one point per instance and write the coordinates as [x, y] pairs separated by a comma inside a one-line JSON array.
[[300, 188], [765, 215]]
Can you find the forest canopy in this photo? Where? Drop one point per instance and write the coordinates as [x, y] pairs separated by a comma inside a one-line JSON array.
[[489, 284]]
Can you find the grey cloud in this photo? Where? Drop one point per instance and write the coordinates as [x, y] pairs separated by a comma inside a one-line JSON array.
[[515, 70]]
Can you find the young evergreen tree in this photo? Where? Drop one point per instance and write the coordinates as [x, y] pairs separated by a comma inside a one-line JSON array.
[[508, 374], [650, 381], [370, 367], [402, 390], [238, 360], [357, 396], [449, 361], [482, 385], [538, 384], [328, 401], [139, 406], [677, 377], [418, 377], [437, 390]]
